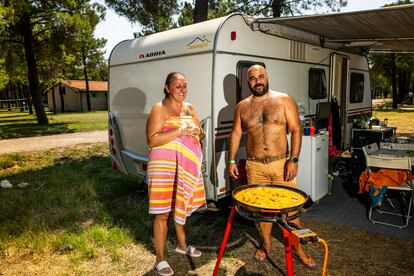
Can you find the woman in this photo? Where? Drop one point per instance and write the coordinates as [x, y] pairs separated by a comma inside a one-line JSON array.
[[175, 182]]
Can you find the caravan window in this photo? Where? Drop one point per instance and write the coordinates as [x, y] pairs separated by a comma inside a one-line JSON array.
[[243, 89], [357, 88], [317, 84]]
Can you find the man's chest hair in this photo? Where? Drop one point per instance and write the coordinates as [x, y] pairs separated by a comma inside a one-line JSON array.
[[262, 116]]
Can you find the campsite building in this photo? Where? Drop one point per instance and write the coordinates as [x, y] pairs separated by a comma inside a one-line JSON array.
[[70, 95]]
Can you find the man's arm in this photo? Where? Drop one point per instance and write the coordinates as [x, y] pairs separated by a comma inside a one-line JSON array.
[[234, 143], [293, 123]]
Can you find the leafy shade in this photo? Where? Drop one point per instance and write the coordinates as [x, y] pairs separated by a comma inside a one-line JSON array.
[[269, 8], [152, 15], [392, 73], [156, 16], [41, 42]]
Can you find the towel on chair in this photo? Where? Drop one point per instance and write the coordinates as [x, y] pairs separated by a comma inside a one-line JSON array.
[[376, 183], [380, 178]]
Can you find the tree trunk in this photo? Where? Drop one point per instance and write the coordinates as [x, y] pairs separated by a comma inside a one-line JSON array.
[[85, 74], [33, 76], [407, 84], [21, 96], [62, 98], [29, 100], [277, 7], [394, 82], [7, 97], [409, 87], [53, 100], [200, 11], [13, 94], [402, 86]]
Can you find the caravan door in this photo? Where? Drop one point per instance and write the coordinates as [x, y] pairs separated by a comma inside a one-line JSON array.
[[339, 90], [231, 81]]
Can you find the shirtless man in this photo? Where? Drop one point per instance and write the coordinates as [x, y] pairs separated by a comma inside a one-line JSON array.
[[264, 116]]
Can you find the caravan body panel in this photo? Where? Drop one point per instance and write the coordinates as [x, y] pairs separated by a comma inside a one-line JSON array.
[[138, 69]]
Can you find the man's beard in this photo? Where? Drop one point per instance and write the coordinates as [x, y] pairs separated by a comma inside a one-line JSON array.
[[262, 92]]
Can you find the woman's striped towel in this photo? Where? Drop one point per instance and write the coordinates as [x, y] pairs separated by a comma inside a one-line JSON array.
[[175, 181]]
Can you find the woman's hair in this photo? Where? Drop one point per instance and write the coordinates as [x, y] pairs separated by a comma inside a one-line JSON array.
[[171, 76]]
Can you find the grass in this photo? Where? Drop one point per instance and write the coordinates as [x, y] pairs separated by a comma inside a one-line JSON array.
[[73, 207], [76, 212], [77, 217], [403, 120], [14, 124]]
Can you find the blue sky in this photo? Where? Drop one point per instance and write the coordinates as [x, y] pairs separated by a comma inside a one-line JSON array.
[[116, 29]]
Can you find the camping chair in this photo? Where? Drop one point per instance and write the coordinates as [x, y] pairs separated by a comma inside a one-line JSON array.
[[369, 149], [404, 191]]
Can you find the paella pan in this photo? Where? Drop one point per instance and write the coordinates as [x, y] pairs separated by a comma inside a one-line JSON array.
[[267, 199]]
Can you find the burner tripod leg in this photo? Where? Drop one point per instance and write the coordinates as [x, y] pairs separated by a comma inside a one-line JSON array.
[[224, 242], [288, 252]]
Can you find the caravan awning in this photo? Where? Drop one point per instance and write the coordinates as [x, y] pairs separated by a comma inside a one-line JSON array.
[[389, 29]]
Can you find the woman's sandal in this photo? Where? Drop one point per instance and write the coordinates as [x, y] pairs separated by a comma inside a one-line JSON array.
[[163, 265], [190, 250]]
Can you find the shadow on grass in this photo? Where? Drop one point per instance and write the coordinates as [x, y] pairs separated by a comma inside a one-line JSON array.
[[76, 191], [17, 120], [12, 114], [20, 130], [73, 191]]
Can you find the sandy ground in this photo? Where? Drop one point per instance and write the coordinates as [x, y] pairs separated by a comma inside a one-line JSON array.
[[51, 141]]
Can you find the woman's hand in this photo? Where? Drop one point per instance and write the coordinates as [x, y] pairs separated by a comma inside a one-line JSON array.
[[195, 130], [189, 130]]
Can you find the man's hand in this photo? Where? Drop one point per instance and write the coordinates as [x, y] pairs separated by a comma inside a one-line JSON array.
[[291, 170], [233, 171]]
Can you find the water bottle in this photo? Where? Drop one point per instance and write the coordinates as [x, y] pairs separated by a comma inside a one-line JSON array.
[[301, 111]]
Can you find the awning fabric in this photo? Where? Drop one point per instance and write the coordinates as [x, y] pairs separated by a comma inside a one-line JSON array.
[[389, 29]]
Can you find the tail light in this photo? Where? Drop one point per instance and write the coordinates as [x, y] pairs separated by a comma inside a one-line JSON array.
[[233, 35], [114, 166], [111, 140]]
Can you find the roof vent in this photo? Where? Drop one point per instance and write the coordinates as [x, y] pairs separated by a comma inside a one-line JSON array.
[[297, 50]]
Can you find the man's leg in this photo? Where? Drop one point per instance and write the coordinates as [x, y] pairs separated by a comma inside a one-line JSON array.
[[278, 169], [266, 232], [305, 258], [257, 173]]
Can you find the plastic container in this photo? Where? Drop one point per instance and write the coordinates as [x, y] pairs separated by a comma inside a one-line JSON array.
[[312, 130]]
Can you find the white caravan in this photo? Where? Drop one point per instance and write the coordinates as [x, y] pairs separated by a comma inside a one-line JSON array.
[[214, 56]]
